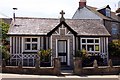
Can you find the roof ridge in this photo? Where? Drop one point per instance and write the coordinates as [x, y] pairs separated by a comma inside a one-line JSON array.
[[34, 18]]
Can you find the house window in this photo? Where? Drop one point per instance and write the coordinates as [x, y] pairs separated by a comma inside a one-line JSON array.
[[90, 44], [107, 12], [31, 44], [114, 29]]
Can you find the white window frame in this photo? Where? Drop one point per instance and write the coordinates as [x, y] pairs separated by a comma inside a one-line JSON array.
[[91, 44], [31, 44]]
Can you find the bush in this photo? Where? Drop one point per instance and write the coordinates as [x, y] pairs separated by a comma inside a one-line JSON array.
[[45, 55], [114, 48], [5, 53]]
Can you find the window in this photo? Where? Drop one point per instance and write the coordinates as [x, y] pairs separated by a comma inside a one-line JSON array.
[[107, 12], [31, 44], [114, 29], [90, 44], [62, 46]]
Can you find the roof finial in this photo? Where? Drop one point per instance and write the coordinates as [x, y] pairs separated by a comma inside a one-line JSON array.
[[62, 17]]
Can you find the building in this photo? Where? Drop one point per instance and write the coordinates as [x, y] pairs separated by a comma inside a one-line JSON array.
[[109, 19], [63, 36]]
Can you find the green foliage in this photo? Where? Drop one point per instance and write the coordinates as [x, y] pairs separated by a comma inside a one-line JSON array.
[[45, 55], [4, 26], [5, 53], [3, 36], [114, 48], [81, 53]]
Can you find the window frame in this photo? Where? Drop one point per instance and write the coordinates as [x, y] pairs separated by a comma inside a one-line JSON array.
[[93, 44], [31, 43]]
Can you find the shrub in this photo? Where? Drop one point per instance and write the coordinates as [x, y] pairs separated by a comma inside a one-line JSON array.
[[5, 53], [114, 48], [44, 55]]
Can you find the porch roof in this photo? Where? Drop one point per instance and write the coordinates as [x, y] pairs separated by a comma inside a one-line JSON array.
[[42, 26]]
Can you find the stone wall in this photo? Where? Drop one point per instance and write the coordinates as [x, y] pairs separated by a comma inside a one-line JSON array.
[[95, 70], [55, 70]]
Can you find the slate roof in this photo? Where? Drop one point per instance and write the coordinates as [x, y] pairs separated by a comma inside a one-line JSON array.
[[93, 9], [42, 26], [113, 17]]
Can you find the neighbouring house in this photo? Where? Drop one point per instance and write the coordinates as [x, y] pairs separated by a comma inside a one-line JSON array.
[[63, 36], [109, 19]]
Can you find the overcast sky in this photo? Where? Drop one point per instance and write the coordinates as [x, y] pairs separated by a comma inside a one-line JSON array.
[[48, 8]]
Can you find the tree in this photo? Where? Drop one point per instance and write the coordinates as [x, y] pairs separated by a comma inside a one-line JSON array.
[[4, 47], [4, 29]]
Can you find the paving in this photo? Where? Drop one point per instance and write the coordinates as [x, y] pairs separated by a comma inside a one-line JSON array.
[[66, 75]]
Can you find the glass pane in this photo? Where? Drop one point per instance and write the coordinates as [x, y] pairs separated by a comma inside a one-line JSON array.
[[62, 46], [27, 46], [90, 41], [34, 39], [83, 41], [90, 47], [96, 41], [27, 39], [96, 47], [84, 47], [34, 46]]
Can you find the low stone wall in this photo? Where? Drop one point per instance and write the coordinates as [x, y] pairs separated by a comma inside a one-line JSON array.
[[100, 70], [79, 70], [55, 70]]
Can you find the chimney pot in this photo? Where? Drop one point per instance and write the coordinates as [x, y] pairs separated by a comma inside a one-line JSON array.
[[14, 13]]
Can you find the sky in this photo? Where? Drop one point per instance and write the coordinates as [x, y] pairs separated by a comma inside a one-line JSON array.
[[48, 8]]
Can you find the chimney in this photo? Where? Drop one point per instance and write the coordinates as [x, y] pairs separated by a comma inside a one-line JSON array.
[[82, 3], [14, 13]]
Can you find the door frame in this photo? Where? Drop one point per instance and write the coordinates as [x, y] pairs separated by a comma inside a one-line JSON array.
[[68, 49], [63, 54]]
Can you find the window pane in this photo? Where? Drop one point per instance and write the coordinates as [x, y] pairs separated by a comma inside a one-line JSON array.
[[96, 41], [96, 47], [90, 47], [27, 39], [34, 46], [90, 41], [62, 46], [84, 47], [34, 39], [83, 41], [27, 46]]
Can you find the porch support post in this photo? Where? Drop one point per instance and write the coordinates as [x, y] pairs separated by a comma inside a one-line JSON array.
[[107, 49], [44, 42], [79, 43], [11, 47], [56, 48]]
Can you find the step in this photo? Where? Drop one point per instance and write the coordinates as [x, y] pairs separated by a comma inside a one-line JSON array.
[[67, 72]]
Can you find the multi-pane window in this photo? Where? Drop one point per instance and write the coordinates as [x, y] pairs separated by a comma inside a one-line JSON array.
[[31, 44], [114, 29], [90, 44]]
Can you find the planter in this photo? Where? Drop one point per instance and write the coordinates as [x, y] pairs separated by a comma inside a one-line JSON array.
[[45, 64]]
